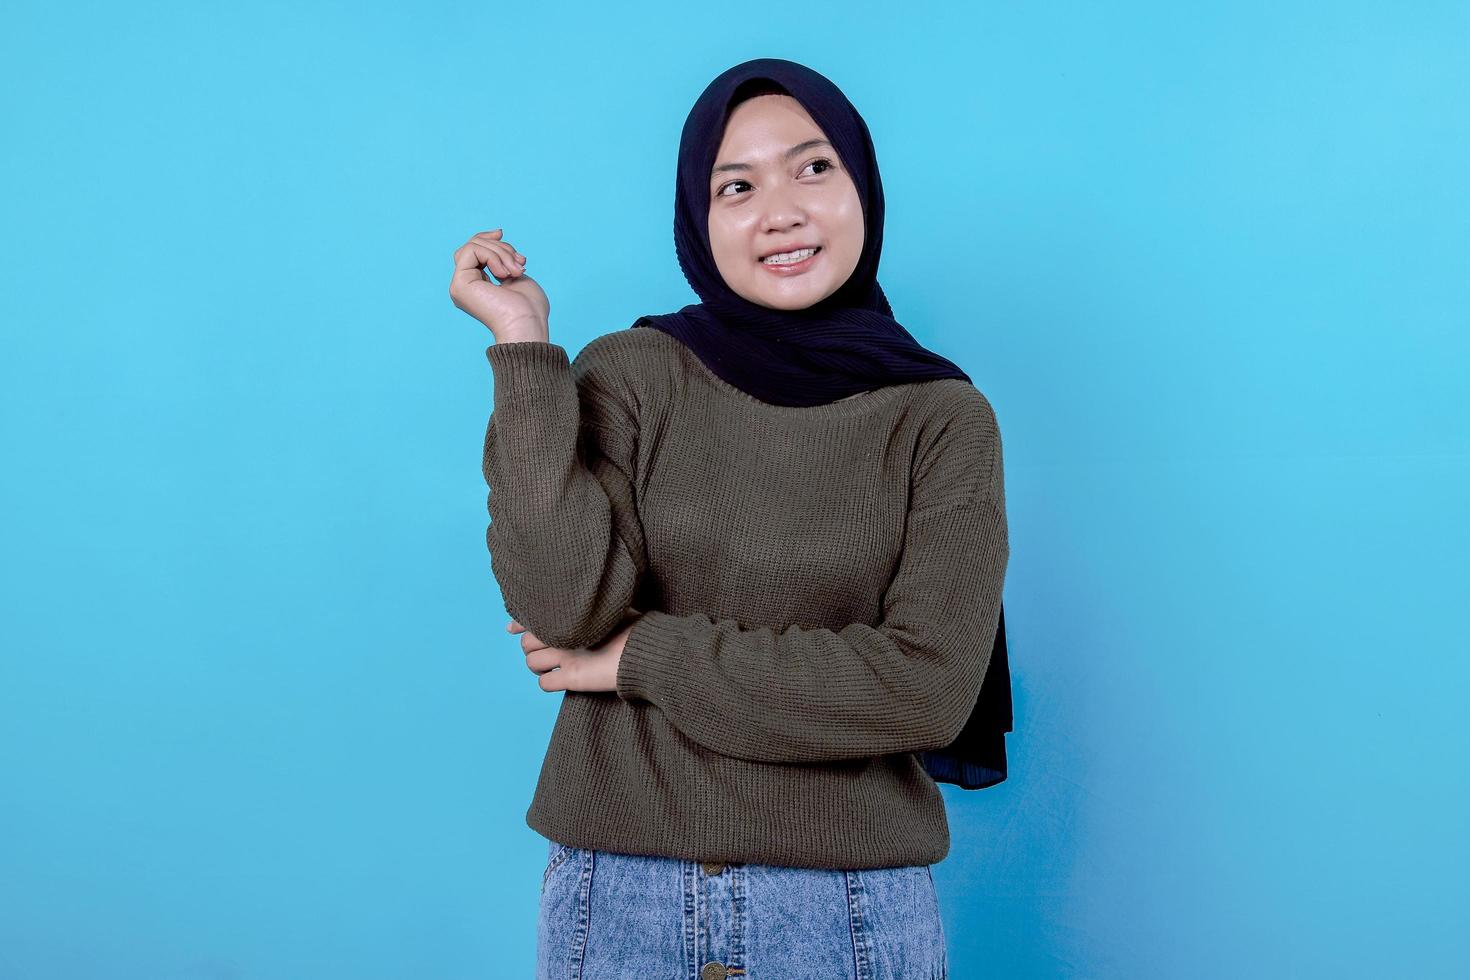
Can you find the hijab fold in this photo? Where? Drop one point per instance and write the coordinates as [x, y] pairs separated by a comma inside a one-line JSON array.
[[846, 344]]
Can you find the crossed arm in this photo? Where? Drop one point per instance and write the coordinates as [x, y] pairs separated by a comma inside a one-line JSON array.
[[569, 552]]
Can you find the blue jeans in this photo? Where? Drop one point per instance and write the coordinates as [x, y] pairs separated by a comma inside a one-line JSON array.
[[609, 916]]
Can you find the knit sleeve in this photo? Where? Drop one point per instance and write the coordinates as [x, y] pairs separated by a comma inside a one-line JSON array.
[[565, 542], [809, 694]]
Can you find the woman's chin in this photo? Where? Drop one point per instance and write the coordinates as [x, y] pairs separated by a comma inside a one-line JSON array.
[[797, 295]]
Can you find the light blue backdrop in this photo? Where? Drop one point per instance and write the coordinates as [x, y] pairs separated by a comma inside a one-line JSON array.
[[259, 719]]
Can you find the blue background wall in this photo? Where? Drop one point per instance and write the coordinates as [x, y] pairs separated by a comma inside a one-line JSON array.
[[259, 718]]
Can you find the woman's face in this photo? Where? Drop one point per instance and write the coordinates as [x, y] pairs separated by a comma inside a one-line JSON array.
[[764, 201]]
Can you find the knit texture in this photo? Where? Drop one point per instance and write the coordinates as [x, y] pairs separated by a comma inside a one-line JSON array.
[[821, 588]]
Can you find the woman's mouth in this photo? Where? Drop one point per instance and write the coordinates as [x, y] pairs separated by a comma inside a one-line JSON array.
[[791, 263]]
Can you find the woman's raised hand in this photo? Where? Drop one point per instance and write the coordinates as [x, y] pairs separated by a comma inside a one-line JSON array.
[[515, 308]]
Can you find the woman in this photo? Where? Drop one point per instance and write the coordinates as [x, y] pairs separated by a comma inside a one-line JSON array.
[[808, 507]]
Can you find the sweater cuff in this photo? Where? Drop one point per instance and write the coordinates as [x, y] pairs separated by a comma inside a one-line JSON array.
[[524, 368], [653, 658]]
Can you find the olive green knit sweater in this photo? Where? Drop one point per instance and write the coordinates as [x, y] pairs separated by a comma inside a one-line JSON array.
[[821, 585]]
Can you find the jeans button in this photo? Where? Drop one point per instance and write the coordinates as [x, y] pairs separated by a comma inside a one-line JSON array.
[[713, 868], [713, 971]]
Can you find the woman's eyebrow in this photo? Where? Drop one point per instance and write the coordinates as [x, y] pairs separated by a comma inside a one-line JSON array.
[[798, 148]]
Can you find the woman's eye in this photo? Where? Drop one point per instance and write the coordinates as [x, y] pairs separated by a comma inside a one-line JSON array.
[[736, 183]]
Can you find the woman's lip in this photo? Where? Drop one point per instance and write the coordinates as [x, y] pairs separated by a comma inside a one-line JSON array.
[[792, 268]]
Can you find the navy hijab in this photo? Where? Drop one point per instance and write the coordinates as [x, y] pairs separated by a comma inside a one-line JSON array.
[[845, 344]]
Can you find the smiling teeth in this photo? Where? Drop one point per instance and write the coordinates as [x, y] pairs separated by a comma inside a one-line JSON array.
[[786, 258]]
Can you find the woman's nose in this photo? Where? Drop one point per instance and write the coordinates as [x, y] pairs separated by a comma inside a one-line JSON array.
[[781, 213]]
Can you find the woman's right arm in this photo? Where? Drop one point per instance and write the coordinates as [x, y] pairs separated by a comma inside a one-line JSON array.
[[565, 541]]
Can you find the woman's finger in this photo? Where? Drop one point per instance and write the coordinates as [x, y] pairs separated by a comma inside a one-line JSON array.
[[512, 257], [477, 253], [543, 660], [472, 255], [500, 233], [497, 235]]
